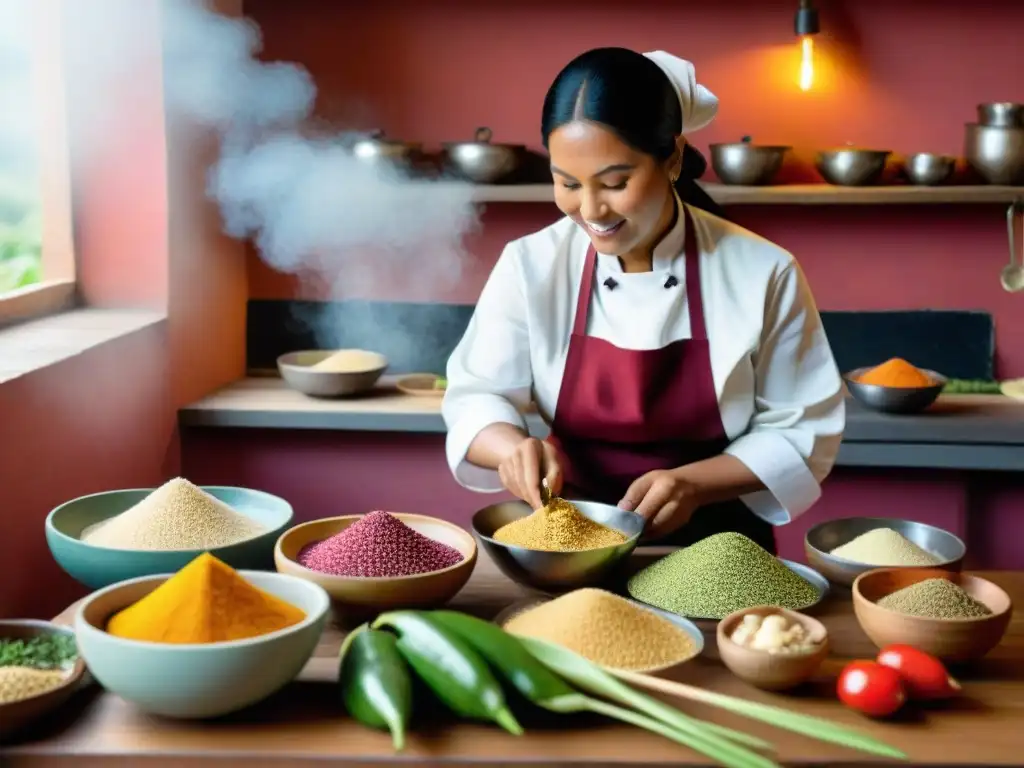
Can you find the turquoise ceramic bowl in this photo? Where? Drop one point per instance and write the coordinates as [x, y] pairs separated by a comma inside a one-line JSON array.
[[98, 567], [204, 680]]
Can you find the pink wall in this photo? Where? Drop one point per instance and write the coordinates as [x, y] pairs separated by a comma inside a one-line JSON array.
[[901, 75]]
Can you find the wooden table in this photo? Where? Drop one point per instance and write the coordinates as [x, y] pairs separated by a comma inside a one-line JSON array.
[[303, 725]]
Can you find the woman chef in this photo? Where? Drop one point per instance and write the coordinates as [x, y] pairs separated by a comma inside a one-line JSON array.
[[678, 358]]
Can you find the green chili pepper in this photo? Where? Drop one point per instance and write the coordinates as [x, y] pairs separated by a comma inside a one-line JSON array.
[[376, 686], [547, 690], [450, 668]]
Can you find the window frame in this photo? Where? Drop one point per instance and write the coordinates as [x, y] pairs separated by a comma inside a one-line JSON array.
[[57, 291]]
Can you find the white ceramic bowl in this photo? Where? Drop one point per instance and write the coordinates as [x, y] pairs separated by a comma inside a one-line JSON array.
[[201, 680]]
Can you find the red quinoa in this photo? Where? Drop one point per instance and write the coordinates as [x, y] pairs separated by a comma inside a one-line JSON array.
[[378, 545]]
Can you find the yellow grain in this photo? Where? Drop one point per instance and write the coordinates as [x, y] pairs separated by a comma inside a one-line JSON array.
[[558, 527], [17, 683], [348, 361]]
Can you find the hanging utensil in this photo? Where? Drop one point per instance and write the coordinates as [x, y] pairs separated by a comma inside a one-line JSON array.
[[1012, 276]]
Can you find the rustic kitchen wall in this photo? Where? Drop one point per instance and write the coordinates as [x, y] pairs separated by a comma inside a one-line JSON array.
[[900, 75]]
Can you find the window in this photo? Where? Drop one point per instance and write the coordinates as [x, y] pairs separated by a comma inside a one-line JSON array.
[[37, 268]]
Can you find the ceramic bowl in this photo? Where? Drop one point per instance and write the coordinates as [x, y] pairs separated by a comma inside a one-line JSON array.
[[17, 715], [687, 626], [554, 572], [824, 537], [196, 681], [953, 640], [98, 567], [772, 671], [296, 368], [360, 595], [894, 399]]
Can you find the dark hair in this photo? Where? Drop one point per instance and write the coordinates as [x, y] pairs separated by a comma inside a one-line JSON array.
[[629, 94]]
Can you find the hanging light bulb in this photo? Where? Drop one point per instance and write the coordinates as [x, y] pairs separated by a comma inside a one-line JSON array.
[[806, 26]]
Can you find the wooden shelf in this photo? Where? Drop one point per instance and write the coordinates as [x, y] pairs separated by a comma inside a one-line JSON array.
[[793, 194]]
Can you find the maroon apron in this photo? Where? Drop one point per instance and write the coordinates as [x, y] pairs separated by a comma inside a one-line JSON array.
[[622, 413]]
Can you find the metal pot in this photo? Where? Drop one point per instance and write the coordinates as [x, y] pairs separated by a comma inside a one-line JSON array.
[[996, 153], [927, 169], [480, 161], [1003, 114], [746, 163], [851, 167], [373, 147]]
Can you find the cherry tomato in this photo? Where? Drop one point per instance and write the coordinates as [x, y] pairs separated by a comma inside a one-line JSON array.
[[924, 676], [871, 688]]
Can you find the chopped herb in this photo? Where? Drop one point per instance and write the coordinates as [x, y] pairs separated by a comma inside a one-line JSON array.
[[43, 652]]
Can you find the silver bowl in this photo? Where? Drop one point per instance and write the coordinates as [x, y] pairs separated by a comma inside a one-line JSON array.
[[894, 399], [851, 167], [296, 368], [927, 169], [745, 163], [554, 572], [824, 537], [1004, 114], [374, 148], [996, 153], [480, 161]]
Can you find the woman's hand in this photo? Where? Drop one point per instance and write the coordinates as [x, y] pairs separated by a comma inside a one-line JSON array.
[[664, 498], [531, 461]]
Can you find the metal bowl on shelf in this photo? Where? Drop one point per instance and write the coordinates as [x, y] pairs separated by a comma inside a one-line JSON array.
[[894, 399], [1004, 114], [554, 572], [928, 169], [480, 161], [745, 163], [374, 147], [827, 536], [995, 152], [852, 167]]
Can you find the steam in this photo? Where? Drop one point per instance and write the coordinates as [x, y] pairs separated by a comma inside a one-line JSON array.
[[308, 204]]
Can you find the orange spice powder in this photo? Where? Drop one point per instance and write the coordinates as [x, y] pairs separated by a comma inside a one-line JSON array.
[[896, 373]]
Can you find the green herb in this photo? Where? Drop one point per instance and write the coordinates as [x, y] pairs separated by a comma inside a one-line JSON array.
[[42, 652], [971, 387]]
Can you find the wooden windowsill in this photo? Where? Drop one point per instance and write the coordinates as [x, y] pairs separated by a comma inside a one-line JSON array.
[[45, 298]]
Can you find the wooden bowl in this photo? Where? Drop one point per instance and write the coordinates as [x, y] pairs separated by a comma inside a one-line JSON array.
[[953, 640], [359, 594], [772, 671], [419, 385], [18, 714]]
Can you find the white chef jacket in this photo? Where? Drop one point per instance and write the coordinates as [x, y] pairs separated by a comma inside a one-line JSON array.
[[779, 391]]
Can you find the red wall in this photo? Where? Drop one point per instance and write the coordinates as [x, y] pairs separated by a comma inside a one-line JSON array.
[[902, 75]]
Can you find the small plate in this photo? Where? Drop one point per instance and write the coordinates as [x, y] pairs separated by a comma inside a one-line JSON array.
[[819, 582], [419, 385], [686, 625]]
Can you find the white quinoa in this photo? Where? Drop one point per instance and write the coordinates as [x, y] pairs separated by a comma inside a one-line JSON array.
[[176, 516], [885, 547], [348, 361]]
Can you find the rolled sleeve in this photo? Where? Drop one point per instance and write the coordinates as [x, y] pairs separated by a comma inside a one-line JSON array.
[[490, 376], [794, 435]]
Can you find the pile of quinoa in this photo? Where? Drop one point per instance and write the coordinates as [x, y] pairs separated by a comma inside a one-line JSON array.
[[718, 575], [606, 629], [558, 527], [17, 683], [935, 599], [176, 516], [378, 545], [884, 546]]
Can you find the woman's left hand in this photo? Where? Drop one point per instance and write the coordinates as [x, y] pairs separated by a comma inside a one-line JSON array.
[[664, 498]]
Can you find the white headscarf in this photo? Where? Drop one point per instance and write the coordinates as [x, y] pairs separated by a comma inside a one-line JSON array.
[[699, 105]]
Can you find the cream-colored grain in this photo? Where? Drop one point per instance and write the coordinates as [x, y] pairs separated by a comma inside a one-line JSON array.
[[348, 361]]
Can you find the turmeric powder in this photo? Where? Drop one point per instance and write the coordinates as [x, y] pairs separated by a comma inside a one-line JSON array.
[[896, 373], [204, 602]]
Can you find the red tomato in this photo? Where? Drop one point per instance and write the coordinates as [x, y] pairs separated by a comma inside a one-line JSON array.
[[871, 688], [924, 676]]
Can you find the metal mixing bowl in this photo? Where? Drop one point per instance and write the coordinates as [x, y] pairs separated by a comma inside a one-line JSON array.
[[824, 537], [374, 147], [554, 572], [850, 167], [996, 153], [746, 163], [480, 161], [894, 399], [1005, 114], [928, 169]]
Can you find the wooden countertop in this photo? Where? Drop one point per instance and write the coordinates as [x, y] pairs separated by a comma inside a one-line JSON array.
[[303, 725]]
